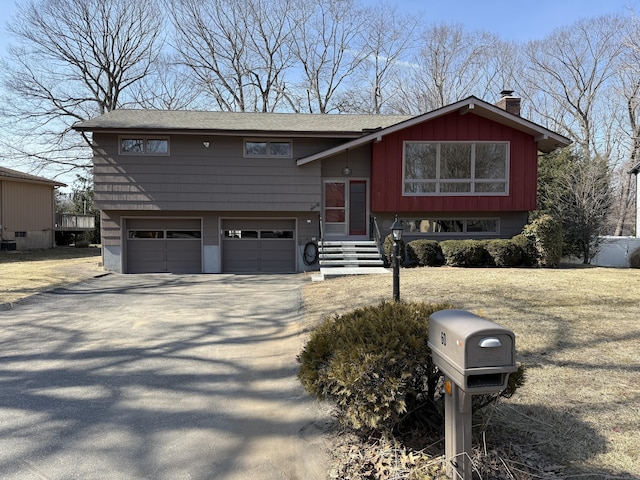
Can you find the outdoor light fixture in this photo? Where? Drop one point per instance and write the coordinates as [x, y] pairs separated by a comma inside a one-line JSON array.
[[346, 171], [206, 144], [396, 234]]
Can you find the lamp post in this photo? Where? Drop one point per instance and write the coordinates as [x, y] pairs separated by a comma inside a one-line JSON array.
[[396, 234]]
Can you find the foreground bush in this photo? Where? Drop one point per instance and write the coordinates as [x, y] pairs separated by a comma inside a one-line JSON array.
[[424, 253], [464, 253], [374, 363]]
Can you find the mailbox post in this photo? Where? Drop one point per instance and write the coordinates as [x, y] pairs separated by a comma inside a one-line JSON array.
[[476, 356]]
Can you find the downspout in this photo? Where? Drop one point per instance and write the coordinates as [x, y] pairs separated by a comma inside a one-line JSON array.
[[53, 219]]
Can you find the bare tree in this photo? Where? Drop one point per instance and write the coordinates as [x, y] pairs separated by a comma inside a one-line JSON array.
[[628, 88], [388, 40], [71, 60], [564, 78], [328, 47], [237, 54], [450, 65], [166, 88]]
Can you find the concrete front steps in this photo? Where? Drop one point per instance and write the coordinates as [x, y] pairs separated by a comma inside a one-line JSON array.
[[352, 257]]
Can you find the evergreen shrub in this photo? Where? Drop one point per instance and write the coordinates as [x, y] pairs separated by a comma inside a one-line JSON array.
[[545, 232], [504, 253], [388, 249], [424, 253], [374, 363], [464, 253], [528, 249]]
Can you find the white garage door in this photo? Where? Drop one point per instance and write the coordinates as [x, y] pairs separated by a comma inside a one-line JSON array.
[[258, 246], [164, 246]]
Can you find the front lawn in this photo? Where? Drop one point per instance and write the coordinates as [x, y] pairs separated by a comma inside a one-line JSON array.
[[578, 332]]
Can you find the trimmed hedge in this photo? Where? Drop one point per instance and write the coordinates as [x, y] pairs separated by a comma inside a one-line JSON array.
[[388, 249], [464, 253], [545, 233], [424, 253], [504, 253]]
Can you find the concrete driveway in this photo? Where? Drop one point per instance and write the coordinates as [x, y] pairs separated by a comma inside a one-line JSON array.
[[159, 377]]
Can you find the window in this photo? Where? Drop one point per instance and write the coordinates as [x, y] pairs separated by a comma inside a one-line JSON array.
[[20, 234], [254, 234], [144, 146], [455, 168], [445, 226], [264, 148]]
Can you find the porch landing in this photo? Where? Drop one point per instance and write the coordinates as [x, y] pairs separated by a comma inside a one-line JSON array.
[[343, 271]]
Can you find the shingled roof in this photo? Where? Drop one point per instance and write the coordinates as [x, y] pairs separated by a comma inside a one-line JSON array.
[[239, 123], [25, 177]]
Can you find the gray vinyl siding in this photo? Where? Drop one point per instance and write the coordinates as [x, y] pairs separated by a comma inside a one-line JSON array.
[[194, 178]]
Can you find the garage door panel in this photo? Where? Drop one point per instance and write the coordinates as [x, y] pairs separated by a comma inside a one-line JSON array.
[[258, 245], [157, 246]]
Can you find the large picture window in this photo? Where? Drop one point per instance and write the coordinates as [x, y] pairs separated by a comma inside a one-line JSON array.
[[455, 168]]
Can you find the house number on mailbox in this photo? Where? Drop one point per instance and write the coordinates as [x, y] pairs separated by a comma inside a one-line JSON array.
[[443, 338]]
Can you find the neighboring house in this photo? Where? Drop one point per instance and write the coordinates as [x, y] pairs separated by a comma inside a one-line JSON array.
[[217, 192], [27, 210]]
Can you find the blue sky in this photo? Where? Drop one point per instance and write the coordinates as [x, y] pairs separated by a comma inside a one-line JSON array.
[[518, 20]]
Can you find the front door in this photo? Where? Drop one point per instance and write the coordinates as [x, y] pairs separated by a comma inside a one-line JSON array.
[[345, 208]]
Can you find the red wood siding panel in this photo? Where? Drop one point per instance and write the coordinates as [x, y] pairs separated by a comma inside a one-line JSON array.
[[386, 171]]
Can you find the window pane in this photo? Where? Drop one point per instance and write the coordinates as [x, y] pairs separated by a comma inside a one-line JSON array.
[[158, 146], [420, 161], [146, 234], [334, 215], [491, 161], [417, 226], [334, 194], [411, 187], [482, 226], [448, 226], [183, 234], [280, 149], [132, 145], [455, 187], [256, 148], [455, 160], [276, 234], [491, 187]]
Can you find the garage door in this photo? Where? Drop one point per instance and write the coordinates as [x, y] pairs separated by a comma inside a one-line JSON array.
[[258, 246], [164, 245]]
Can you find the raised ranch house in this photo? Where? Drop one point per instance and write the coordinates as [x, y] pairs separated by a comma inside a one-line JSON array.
[[194, 191], [27, 210]]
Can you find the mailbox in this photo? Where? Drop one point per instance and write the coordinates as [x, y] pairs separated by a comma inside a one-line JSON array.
[[476, 354]]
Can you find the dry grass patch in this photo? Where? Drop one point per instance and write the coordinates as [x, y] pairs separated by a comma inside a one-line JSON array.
[[25, 273], [578, 331]]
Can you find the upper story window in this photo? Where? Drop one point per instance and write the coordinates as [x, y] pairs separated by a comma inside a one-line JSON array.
[[267, 148], [144, 145], [455, 168]]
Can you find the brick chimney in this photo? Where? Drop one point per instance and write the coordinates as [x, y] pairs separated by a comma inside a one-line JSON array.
[[509, 103]]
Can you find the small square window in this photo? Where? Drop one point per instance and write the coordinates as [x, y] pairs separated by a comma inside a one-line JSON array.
[[20, 234]]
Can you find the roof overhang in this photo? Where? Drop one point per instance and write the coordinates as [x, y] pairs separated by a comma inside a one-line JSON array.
[[546, 139]]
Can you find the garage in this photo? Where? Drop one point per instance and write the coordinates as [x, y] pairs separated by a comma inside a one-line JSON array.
[[164, 245], [256, 245]]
